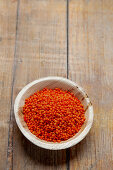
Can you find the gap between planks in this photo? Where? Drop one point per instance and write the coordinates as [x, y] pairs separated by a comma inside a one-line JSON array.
[[9, 160], [67, 33]]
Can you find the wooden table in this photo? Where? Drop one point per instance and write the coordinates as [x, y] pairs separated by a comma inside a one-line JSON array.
[[72, 39]]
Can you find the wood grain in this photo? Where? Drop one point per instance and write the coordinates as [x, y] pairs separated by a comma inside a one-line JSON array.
[[91, 66], [41, 38], [40, 52], [7, 42]]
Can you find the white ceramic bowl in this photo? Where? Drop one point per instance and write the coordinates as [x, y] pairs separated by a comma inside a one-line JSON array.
[[53, 82]]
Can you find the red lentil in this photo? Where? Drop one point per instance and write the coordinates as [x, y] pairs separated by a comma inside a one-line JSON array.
[[53, 115]]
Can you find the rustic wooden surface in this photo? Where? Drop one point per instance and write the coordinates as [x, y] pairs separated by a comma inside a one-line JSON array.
[[67, 38]]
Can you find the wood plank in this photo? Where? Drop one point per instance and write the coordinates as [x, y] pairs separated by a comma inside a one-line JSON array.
[[40, 51], [7, 42], [91, 66]]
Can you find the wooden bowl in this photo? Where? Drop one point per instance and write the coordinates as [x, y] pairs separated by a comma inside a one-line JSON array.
[[53, 82]]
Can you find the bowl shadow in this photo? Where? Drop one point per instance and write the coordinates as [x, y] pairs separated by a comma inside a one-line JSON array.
[[51, 157]]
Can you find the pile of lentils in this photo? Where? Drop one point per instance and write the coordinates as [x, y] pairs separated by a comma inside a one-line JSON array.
[[53, 115]]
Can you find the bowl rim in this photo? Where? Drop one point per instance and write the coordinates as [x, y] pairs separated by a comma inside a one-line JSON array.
[[49, 145]]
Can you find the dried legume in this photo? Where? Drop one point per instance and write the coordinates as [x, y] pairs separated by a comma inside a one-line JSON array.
[[53, 115]]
